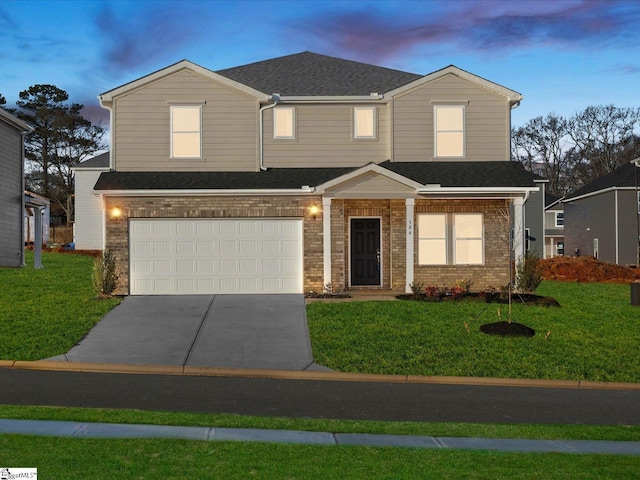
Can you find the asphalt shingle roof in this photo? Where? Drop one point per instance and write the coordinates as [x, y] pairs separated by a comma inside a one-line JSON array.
[[98, 161], [623, 176], [312, 74], [447, 174]]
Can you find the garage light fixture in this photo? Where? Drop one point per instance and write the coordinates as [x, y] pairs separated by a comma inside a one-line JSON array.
[[116, 213], [314, 210]]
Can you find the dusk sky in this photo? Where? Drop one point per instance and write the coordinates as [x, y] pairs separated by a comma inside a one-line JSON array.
[[562, 55]]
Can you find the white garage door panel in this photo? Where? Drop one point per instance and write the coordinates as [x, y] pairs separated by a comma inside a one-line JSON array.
[[215, 256]]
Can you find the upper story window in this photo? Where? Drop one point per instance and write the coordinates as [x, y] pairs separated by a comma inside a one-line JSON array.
[[559, 219], [284, 122], [364, 123], [186, 131], [449, 130]]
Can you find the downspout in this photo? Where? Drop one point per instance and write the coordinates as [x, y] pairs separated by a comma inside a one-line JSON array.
[[275, 98], [24, 186]]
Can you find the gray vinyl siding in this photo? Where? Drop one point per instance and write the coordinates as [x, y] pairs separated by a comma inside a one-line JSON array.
[[627, 227], [11, 196], [550, 223], [324, 138], [487, 120], [141, 141], [589, 218], [534, 212]]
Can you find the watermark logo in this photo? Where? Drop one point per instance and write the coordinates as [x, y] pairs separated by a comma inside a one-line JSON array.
[[18, 473]]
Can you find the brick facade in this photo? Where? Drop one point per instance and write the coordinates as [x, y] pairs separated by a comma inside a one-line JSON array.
[[391, 213]]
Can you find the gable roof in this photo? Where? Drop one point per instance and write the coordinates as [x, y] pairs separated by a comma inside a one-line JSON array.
[[107, 97], [433, 175], [622, 177], [312, 74], [15, 122], [514, 97], [99, 161]]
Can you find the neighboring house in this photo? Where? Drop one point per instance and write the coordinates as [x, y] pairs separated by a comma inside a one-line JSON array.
[[554, 226], [43, 208], [534, 217], [88, 228], [292, 173], [12, 201], [601, 218]]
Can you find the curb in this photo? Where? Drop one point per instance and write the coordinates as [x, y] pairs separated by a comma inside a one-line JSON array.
[[44, 365]]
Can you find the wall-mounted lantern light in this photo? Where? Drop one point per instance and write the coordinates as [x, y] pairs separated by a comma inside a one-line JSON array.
[[314, 210], [116, 213]]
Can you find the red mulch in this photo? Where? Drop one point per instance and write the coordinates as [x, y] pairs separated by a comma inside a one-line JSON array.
[[587, 269]]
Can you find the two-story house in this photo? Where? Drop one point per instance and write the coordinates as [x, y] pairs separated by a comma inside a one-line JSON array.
[[603, 217], [291, 173], [12, 195]]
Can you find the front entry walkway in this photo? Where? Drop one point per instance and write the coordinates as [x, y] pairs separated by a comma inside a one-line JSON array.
[[226, 331]]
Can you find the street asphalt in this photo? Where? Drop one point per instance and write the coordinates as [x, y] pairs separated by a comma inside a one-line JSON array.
[[252, 356]]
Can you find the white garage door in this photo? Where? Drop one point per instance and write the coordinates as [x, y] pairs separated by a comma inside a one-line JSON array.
[[215, 256]]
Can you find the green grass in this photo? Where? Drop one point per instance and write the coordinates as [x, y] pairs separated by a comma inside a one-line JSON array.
[[71, 458], [444, 429], [45, 312], [593, 336]]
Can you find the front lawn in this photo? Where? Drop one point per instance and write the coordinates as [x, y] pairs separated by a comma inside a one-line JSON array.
[[46, 312], [592, 336]]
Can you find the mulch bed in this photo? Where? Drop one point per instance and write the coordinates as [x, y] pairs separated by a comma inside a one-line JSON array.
[[486, 297], [506, 329]]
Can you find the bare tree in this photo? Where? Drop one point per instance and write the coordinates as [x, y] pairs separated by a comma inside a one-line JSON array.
[[604, 138], [543, 146]]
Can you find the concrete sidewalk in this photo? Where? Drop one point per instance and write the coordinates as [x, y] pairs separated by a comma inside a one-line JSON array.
[[109, 430], [226, 331]]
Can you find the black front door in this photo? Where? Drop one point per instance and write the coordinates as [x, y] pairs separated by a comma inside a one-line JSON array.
[[365, 251]]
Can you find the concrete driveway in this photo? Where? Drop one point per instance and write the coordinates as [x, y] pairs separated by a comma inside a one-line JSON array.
[[231, 331]]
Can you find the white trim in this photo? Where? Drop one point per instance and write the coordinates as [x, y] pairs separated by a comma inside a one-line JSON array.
[[597, 192], [509, 191], [276, 122], [107, 97], [371, 167], [15, 122], [326, 239], [332, 98], [436, 130], [518, 229], [374, 123], [196, 192], [409, 250], [513, 96], [376, 217]]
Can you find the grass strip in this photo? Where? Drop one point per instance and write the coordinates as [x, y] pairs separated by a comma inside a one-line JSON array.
[[541, 432], [71, 459]]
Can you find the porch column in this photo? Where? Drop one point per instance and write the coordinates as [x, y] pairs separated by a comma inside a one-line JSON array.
[[409, 205], [326, 239], [518, 229]]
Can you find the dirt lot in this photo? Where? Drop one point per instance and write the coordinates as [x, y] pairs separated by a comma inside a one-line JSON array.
[[587, 269]]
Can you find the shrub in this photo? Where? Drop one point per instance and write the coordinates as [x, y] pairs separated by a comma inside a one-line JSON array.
[[416, 288], [105, 274], [528, 273]]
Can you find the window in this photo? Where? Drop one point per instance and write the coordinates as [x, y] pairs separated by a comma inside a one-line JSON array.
[[450, 239], [186, 129], [559, 219], [560, 248], [283, 123], [449, 130], [527, 239], [595, 248], [468, 244], [432, 239], [364, 122]]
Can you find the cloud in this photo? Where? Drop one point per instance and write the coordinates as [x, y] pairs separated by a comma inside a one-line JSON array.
[[378, 34], [153, 31]]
